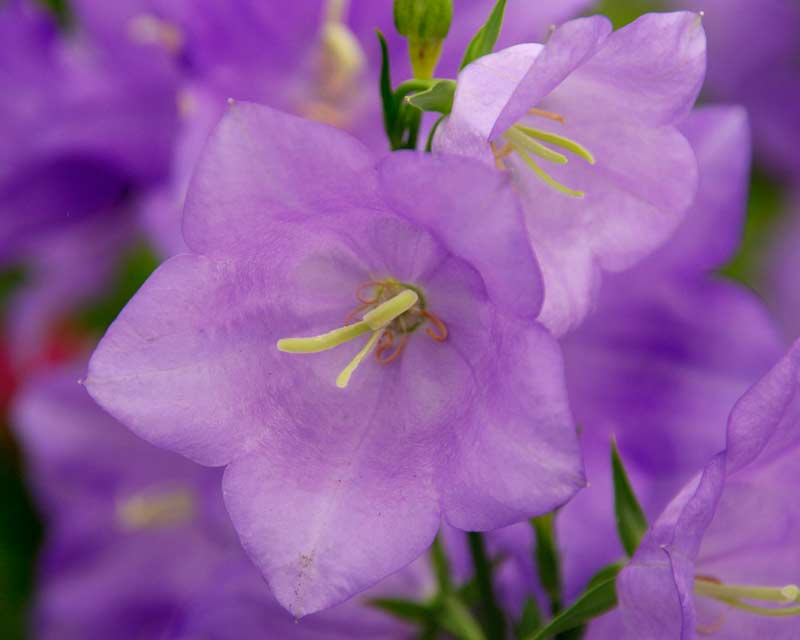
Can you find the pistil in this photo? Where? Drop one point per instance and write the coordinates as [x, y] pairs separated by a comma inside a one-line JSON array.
[[389, 308], [734, 595]]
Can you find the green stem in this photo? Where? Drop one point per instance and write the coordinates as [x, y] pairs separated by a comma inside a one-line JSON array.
[[495, 624]]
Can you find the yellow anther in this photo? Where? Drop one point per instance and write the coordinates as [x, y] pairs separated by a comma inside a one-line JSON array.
[[518, 138]]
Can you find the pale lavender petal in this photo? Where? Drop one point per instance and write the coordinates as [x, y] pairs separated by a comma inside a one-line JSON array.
[[485, 231]]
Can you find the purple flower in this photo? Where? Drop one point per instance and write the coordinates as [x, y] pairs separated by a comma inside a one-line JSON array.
[[722, 557], [763, 75], [665, 354], [461, 412], [587, 126]]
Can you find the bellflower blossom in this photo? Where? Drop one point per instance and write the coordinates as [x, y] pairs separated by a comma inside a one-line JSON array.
[[722, 557], [665, 354], [139, 543], [586, 123], [341, 465]]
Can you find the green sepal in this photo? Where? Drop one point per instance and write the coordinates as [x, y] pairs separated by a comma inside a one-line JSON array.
[[438, 98], [387, 99], [631, 521], [483, 41], [547, 559], [599, 598]]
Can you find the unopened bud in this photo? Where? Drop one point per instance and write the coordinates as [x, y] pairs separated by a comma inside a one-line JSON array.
[[425, 24]]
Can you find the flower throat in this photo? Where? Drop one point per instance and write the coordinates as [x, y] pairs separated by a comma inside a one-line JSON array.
[[527, 143], [390, 310]]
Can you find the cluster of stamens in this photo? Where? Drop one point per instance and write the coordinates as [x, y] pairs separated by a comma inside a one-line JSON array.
[[527, 142], [390, 310], [743, 597]]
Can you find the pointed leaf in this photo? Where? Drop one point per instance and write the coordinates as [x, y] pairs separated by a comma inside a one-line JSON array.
[[438, 98], [547, 559], [531, 619], [406, 610], [631, 521], [483, 41], [457, 619], [387, 99], [595, 601]]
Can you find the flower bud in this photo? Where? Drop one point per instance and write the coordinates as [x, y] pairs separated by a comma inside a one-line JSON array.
[[425, 24]]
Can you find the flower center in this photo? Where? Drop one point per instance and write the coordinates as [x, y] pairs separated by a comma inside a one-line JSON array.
[[390, 310], [527, 142], [155, 509], [735, 596]]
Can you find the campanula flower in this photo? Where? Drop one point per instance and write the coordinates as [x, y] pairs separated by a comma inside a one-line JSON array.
[[356, 342], [722, 557], [587, 126]]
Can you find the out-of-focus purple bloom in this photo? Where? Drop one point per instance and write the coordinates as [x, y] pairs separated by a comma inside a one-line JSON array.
[[81, 133], [732, 528], [753, 59], [665, 354], [139, 544], [295, 230], [611, 102], [132, 531]]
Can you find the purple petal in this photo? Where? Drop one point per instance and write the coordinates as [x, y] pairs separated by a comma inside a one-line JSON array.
[[516, 455], [246, 181], [328, 521], [572, 44], [655, 588], [650, 70], [712, 228], [483, 227]]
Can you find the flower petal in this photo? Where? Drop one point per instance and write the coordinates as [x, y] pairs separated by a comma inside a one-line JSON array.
[[473, 212], [260, 166], [516, 453]]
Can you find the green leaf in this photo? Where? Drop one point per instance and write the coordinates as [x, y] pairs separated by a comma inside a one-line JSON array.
[[631, 521], [438, 98], [407, 610], [483, 41], [387, 99], [595, 601], [456, 618], [547, 559], [531, 619]]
